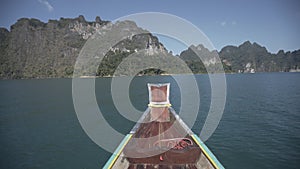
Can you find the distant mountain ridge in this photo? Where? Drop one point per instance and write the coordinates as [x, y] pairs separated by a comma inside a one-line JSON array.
[[34, 49], [251, 56], [245, 58]]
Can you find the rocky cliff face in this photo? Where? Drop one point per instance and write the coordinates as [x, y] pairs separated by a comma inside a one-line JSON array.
[[33, 49]]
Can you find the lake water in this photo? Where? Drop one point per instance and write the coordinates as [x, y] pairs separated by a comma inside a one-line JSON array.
[[260, 127]]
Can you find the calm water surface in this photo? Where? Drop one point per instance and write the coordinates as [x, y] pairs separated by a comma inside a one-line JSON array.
[[260, 127]]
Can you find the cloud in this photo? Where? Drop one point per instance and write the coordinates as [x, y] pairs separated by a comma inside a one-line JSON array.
[[47, 4], [223, 23]]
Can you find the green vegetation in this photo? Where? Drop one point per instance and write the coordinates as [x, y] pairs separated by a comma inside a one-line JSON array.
[[110, 63], [33, 49]]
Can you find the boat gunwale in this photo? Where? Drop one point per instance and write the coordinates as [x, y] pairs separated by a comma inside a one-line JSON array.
[[209, 155]]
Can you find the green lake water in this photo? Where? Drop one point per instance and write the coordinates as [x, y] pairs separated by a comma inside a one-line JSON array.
[[260, 127]]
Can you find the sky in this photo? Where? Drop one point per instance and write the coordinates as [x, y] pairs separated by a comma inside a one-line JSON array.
[[274, 24]]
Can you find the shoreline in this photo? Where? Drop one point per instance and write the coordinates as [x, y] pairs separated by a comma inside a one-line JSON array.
[[89, 77]]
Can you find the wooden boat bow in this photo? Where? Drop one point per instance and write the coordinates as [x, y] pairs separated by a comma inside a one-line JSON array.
[[161, 140]]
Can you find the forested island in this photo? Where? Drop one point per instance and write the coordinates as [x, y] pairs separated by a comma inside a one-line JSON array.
[[34, 49]]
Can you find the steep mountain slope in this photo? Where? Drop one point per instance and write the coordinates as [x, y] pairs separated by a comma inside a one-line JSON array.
[[33, 49]]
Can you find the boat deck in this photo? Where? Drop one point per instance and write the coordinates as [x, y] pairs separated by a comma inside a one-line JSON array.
[[162, 145], [165, 144]]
